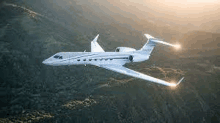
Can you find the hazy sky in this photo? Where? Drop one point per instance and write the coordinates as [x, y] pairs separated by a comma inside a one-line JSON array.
[[179, 6], [196, 12], [180, 11]]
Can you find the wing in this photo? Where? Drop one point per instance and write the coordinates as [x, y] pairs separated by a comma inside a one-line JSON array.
[[126, 71], [95, 47]]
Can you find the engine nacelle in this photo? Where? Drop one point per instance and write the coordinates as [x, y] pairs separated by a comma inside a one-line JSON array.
[[124, 49], [138, 57], [131, 58]]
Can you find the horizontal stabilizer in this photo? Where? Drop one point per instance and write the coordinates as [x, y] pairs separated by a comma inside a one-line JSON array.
[[162, 42], [155, 40]]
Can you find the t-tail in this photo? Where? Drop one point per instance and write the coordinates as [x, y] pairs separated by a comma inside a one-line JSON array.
[[151, 43], [149, 46]]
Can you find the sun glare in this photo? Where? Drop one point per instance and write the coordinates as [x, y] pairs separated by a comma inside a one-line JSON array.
[[174, 84], [177, 46]]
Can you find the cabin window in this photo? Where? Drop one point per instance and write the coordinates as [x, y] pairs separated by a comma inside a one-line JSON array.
[[90, 59], [84, 59], [100, 59], [78, 59], [61, 57], [111, 59], [95, 59], [106, 59]]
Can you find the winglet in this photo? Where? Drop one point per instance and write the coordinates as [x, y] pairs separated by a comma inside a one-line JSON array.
[[180, 81], [95, 47], [95, 39]]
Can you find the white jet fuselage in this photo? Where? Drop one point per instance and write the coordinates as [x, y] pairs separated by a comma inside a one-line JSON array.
[[96, 58]]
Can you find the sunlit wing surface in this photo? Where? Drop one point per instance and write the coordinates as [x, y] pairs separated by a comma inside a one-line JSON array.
[[95, 47], [126, 71]]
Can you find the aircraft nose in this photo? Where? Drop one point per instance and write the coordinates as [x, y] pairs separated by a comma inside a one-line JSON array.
[[45, 62]]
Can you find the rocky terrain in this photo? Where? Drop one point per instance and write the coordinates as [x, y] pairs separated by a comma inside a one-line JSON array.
[[33, 92]]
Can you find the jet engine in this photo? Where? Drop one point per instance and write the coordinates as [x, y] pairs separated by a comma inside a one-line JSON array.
[[124, 49]]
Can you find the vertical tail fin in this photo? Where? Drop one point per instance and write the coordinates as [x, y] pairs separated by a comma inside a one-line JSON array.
[[149, 46]]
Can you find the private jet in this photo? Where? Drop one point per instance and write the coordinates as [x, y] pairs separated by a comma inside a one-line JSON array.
[[113, 60]]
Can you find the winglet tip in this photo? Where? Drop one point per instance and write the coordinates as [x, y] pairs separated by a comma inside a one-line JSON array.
[[180, 81], [97, 36], [95, 39]]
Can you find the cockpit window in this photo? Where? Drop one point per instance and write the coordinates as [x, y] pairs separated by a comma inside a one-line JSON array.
[[57, 56]]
